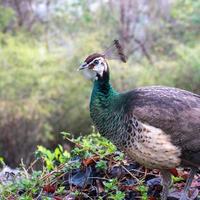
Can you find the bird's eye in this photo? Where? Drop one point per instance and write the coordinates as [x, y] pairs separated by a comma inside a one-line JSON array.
[[96, 62]]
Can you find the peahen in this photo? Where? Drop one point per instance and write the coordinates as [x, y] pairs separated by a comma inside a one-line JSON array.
[[157, 126]]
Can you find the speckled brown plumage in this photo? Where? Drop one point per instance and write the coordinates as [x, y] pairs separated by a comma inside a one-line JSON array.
[[174, 111]]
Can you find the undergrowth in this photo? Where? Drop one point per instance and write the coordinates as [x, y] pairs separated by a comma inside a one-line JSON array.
[[93, 169]]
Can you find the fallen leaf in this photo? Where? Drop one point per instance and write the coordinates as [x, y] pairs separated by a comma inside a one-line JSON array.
[[49, 188], [81, 178], [91, 160], [174, 172]]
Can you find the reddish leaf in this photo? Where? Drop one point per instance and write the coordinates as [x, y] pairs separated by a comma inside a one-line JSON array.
[[91, 160], [174, 172], [49, 188]]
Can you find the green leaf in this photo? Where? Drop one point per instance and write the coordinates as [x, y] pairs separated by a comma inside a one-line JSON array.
[[110, 185], [118, 196], [2, 160], [65, 134], [101, 165]]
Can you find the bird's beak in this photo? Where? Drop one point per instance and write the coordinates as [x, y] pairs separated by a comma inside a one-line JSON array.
[[83, 66]]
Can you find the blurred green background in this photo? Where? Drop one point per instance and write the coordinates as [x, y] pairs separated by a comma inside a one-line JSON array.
[[42, 43]]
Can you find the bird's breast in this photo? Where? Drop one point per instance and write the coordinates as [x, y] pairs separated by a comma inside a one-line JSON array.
[[153, 148]]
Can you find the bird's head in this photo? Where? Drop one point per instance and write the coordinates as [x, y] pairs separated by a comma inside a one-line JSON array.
[[96, 65]]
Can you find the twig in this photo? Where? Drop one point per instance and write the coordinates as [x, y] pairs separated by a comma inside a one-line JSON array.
[[25, 171], [39, 195], [32, 164], [139, 182]]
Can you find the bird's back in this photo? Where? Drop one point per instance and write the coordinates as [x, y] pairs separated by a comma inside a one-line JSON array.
[[176, 112]]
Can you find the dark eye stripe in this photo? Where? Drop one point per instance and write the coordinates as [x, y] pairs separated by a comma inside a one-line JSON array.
[[91, 66], [94, 62]]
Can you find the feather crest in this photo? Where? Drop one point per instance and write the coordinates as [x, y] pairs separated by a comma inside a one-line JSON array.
[[115, 51]]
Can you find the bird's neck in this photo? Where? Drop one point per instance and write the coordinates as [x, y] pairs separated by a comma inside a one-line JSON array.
[[102, 92], [104, 103]]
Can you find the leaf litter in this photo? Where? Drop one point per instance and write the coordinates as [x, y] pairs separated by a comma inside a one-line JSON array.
[[94, 170]]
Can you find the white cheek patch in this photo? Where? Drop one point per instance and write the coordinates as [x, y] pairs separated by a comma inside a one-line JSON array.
[[101, 67]]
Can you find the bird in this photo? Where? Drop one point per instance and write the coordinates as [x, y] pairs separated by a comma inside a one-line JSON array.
[[157, 126]]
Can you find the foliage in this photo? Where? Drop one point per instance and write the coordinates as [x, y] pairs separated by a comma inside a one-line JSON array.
[[177, 179], [143, 189], [101, 164], [95, 143], [6, 16], [52, 180], [50, 158], [189, 11], [118, 196], [2, 160], [111, 186], [25, 187], [36, 95]]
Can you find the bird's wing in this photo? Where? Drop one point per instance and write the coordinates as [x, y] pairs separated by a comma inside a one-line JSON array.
[[174, 111]]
